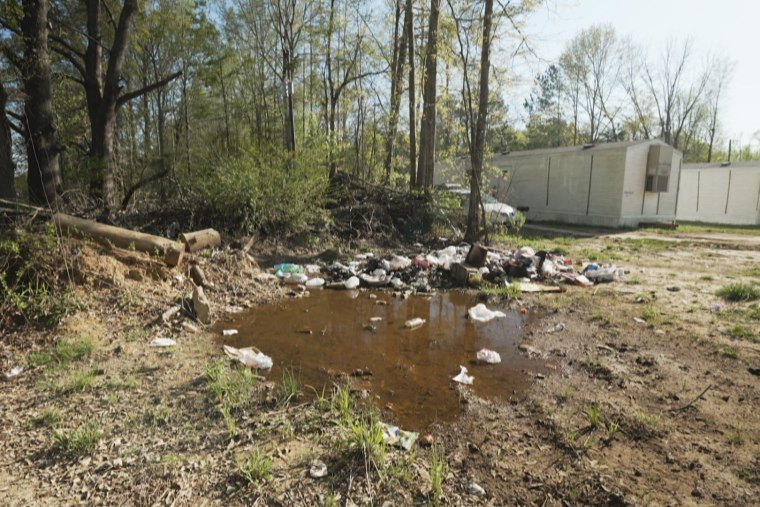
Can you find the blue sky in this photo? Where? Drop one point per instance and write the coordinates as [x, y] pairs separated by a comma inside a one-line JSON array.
[[727, 27]]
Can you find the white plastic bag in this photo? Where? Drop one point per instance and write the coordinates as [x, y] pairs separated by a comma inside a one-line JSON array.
[[480, 313], [249, 357], [488, 356], [315, 283], [352, 283], [463, 378]]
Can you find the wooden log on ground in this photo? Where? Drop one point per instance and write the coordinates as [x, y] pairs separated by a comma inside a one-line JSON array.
[[198, 240], [171, 251]]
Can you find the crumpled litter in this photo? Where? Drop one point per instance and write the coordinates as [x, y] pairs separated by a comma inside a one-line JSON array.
[[392, 435], [414, 323], [14, 372], [488, 356], [249, 356], [462, 377], [163, 342], [481, 313]]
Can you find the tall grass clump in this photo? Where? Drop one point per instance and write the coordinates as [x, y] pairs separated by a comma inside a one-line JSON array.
[[739, 292]]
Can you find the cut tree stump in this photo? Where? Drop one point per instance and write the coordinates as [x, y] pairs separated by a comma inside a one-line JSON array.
[[171, 251], [199, 240]]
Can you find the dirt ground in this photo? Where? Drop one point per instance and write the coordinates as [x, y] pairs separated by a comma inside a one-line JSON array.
[[653, 399]]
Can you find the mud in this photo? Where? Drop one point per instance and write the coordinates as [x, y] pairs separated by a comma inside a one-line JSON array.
[[407, 371]]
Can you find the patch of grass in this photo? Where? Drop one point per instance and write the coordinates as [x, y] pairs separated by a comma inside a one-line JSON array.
[[751, 272], [594, 414], [79, 380], [707, 278], [729, 353], [738, 436], [439, 469], [78, 442], [233, 389], [741, 332], [650, 244], [255, 468], [612, 428], [739, 292], [651, 315], [509, 292], [63, 353], [365, 438], [49, 418], [290, 387], [137, 333], [633, 280], [342, 403]]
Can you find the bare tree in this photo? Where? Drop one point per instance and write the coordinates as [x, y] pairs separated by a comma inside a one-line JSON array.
[[398, 61], [675, 89], [409, 31], [721, 76], [590, 62]]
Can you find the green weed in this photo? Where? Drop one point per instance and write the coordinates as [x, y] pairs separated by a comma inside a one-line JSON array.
[[290, 387], [594, 414], [738, 437], [738, 292], [256, 468], [49, 418], [729, 353], [78, 442], [509, 292], [342, 403], [365, 438], [63, 353], [439, 469], [79, 380], [741, 332], [651, 315]]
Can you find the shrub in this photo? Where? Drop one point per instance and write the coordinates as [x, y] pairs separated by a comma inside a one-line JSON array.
[[264, 189], [32, 288]]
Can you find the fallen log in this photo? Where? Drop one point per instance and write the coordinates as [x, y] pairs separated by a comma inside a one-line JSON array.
[[199, 240], [171, 251]]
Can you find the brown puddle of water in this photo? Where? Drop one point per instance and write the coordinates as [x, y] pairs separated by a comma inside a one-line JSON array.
[[412, 369]]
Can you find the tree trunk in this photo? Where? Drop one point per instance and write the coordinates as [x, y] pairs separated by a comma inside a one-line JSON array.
[[399, 56], [7, 166], [43, 177], [478, 144], [427, 126], [409, 29]]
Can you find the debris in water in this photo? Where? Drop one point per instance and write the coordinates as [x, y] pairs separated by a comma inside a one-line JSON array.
[[488, 356], [249, 356], [480, 313], [463, 378], [414, 323], [230, 332], [375, 319]]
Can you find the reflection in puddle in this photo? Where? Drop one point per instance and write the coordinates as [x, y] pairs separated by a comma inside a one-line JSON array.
[[409, 370]]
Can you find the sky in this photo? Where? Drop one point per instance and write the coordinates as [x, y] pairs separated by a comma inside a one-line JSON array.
[[726, 27]]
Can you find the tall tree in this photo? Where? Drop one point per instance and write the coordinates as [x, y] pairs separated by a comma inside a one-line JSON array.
[[7, 166], [412, 87], [42, 146], [479, 132], [590, 61], [675, 89], [398, 61], [429, 96]]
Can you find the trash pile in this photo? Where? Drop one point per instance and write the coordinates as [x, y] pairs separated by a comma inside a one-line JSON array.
[[463, 265]]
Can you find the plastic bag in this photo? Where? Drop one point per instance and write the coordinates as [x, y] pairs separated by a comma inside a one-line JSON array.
[[480, 313], [463, 378], [250, 357], [315, 283], [488, 356]]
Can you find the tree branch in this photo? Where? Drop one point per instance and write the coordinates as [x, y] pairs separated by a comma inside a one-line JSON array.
[[146, 89], [134, 188]]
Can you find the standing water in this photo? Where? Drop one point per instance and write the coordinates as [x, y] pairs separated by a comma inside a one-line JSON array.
[[407, 370]]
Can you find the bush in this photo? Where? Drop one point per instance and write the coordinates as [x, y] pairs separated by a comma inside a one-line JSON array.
[[32, 288], [268, 190]]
